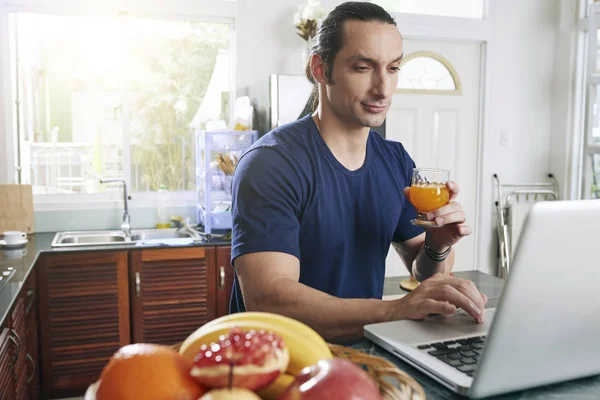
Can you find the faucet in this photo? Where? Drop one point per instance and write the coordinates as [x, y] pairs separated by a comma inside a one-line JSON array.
[[126, 224]]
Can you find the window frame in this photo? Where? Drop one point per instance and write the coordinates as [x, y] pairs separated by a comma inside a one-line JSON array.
[[590, 23], [457, 91], [215, 11]]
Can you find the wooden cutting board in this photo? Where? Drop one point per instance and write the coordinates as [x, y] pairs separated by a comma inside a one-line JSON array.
[[16, 208]]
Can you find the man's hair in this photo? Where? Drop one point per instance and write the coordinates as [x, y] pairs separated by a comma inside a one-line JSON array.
[[330, 36]]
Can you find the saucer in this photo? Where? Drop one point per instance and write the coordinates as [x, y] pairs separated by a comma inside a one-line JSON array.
[[17, 244]]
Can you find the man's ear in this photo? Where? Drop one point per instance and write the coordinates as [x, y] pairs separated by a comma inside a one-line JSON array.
[[318, 69]]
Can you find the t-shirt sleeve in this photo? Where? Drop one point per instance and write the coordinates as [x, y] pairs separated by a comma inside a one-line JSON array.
[[266, 203], [405, 229]]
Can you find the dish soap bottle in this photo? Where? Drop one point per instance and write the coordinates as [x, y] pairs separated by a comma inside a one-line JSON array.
[[162, 219]]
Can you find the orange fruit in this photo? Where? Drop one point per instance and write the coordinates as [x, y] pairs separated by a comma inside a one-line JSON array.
[[149, 372]]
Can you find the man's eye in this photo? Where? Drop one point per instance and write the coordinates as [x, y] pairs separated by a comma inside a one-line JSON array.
[[361, 68], [395, 69]]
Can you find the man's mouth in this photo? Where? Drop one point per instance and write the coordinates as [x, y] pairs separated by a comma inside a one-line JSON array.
[[374, 108]]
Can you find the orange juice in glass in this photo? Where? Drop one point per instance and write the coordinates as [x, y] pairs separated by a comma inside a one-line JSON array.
[[428, 192]]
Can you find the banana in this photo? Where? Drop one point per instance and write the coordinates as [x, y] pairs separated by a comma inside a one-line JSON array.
[[303, 351], [275, 319], [276, 388]]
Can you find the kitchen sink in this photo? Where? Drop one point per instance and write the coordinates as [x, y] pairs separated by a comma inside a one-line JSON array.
[[112, 238], [153, 234]]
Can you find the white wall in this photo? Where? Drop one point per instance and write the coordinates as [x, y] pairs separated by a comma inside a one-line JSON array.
[[268, 44], [568, 103], [522, 71]]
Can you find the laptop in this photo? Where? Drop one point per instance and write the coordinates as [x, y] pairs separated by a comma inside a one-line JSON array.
[[545, 327]]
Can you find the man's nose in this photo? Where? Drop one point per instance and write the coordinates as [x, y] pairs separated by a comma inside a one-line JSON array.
[[383, 85]]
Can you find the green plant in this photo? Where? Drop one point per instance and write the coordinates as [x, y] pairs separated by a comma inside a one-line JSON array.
[[168, 85]]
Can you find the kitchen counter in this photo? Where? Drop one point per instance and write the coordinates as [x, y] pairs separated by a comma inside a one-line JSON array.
[[586, 388], [23, 259]]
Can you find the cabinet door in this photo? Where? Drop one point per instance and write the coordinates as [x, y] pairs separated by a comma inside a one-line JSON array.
[[84, 317], [173, 293], [19, 333], [225, 279], [31, 341], [8, 353]]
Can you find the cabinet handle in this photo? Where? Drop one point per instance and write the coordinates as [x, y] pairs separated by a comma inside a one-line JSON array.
[[16, 336], [30, 378], [221, 277], [31, 295], [18, 347], [137, 284]]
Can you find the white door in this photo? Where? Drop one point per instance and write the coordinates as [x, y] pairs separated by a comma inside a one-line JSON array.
[[439, 127]]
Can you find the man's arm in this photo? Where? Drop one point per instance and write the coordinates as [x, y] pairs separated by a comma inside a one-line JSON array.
[[413, 250], [269, 282]]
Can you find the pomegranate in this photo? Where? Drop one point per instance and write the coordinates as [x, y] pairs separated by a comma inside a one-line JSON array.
[[243, 359]]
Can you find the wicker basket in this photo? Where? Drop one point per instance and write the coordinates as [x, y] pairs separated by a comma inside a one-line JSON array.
[[393, 383]]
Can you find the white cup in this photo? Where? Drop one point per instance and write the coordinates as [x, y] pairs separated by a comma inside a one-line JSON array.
[[14, 237]]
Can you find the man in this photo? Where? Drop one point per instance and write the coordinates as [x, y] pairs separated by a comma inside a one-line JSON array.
[[317, 203]]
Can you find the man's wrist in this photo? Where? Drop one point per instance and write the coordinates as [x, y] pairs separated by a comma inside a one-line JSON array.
[[434, 254], [434, 245]]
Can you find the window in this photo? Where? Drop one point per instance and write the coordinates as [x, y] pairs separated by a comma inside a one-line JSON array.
[[115, 97], [445, 8], [591, 142], [426, 72]]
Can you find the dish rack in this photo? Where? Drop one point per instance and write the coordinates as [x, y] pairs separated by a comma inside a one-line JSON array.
[[512, 206], [213, 183]]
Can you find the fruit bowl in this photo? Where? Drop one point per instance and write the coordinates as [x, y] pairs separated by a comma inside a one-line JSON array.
[[264, 354], [393, 383]]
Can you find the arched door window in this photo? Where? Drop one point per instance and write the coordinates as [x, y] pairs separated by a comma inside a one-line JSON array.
[[427, 73]]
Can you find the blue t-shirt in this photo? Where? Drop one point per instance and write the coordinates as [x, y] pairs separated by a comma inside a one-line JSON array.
[[291, 195]]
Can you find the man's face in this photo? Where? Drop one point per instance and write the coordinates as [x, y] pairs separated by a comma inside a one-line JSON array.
[[365, 73]]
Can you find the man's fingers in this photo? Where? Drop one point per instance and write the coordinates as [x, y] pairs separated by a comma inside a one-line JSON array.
[[449, 208], [469, 289], [465, 230], [448, 292], [453, 188], [454, 218], [431, 306]]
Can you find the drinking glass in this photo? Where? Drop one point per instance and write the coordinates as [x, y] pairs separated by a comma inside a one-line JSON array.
[[428, 192]]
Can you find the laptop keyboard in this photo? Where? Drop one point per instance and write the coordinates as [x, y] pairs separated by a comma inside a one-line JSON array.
[[462, 354]]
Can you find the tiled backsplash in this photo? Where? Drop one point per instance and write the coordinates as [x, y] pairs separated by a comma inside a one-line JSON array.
[[55, 221]]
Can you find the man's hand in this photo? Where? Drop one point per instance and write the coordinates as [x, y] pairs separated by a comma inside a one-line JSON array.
[[451, 217], [440, 294]]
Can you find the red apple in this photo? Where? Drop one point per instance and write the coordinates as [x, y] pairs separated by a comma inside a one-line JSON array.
[[332, 379], [241, 359]]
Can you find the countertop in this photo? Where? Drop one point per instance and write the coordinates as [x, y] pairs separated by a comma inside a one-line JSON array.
[[23, 259], [586, 388]]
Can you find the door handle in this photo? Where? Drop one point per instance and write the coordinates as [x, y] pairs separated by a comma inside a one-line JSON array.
[[137, 284], [221, 277]]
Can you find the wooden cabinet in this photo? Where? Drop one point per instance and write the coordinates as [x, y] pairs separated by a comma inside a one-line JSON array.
[[92, 303], [173, 293], [31, 340], [84, 317], [8, 354], [225, 279], [19, 331]]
